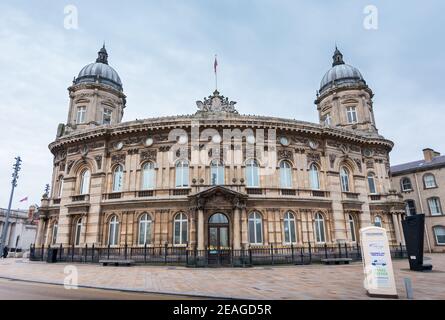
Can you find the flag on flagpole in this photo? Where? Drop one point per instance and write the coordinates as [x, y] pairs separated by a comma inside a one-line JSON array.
[[24, 199], [215, 64]]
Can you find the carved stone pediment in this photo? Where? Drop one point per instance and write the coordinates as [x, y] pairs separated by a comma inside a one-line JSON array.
[[216, 103]]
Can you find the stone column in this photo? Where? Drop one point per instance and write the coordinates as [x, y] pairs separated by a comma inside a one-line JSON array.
[[40, 231], [244, 240], [236, 229], [395, 222], [193, 235], [402, 236], [200, 229]]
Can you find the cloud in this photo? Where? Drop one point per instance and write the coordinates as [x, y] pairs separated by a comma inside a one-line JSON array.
[[272, 56]]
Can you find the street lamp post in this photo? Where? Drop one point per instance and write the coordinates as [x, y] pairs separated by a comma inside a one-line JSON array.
[[15, 177]]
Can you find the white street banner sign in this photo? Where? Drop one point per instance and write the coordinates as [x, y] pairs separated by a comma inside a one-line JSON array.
[[377, 264]]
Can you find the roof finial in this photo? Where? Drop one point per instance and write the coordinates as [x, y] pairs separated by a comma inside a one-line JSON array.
[[102, 55], [338, 57]]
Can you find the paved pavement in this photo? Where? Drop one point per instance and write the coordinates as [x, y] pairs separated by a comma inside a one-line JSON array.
[[278, 282], [22, 290]]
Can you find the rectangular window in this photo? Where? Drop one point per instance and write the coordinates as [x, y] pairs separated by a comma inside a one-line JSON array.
[[434, 205], [81, 113], [439, 232], [352, 114], [106, 116], [371, 183]]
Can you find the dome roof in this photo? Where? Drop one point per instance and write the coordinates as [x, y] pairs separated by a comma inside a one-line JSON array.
[[100, 71], [340, 73]]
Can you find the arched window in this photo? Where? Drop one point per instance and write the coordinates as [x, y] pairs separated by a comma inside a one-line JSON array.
[[435, 207], [182, 173], [289, 228], [60, 187], [352, 228], [319, 228], [77, 232], [429, 181], [410, 207], [314, 177], [54, 235], [216, 172], [85, 182], [252, 173], [378, 222], [371, 183], [113, 232], [285, 174], [406, 184], [218, 218], [180, 226], [148, 176], [439, 234], [118, 177], [344, 176], [145, 224], [255, 228]]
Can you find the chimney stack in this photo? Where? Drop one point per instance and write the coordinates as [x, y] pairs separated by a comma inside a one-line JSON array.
[[429, 154]]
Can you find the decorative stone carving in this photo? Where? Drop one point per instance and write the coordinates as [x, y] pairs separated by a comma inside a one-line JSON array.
[[164, 148], [313, 144], [98, 161], [332, 158], [133, 151], [118, 158], [134, 140], [84, 150], [284, 154], [380, 151], [70, 165], [367, 152], [358, 162], [216, 103], [200, 203], [73, 150], [369, 164], [148, 155], [238, 203], [344, 148], [332, 143], [313, 157], [354, 148]]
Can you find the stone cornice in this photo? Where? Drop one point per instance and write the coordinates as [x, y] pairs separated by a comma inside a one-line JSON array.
[[226, 121]]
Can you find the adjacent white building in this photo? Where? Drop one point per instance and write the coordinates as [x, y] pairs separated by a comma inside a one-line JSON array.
[[22, 228]]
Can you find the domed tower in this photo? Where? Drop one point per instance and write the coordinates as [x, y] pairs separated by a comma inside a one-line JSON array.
[[96, 96], [344, 99]]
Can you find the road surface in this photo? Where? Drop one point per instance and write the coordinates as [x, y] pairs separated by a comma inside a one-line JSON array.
[[15, 290]]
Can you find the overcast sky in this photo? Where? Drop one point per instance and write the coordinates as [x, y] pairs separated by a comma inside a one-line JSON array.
[[272, 56]]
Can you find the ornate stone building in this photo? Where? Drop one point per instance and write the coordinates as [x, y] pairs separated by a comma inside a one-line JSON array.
[[421, 185], [218, 178]]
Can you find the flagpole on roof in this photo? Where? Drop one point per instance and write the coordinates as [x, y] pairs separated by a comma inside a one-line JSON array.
[[215, 65]]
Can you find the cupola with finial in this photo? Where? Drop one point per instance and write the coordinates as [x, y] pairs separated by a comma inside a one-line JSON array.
[[344, 99], [96, 96]]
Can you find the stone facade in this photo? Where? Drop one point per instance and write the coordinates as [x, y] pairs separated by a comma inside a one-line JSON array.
[[423, 192], [279, 181]]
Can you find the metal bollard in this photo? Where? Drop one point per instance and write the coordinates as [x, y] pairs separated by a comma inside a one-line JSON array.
[[408, 288]]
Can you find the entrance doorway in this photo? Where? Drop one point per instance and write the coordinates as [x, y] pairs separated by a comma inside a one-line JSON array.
[[219, 238]]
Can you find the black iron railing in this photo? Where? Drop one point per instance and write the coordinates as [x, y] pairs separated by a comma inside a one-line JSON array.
[[164, 255]]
